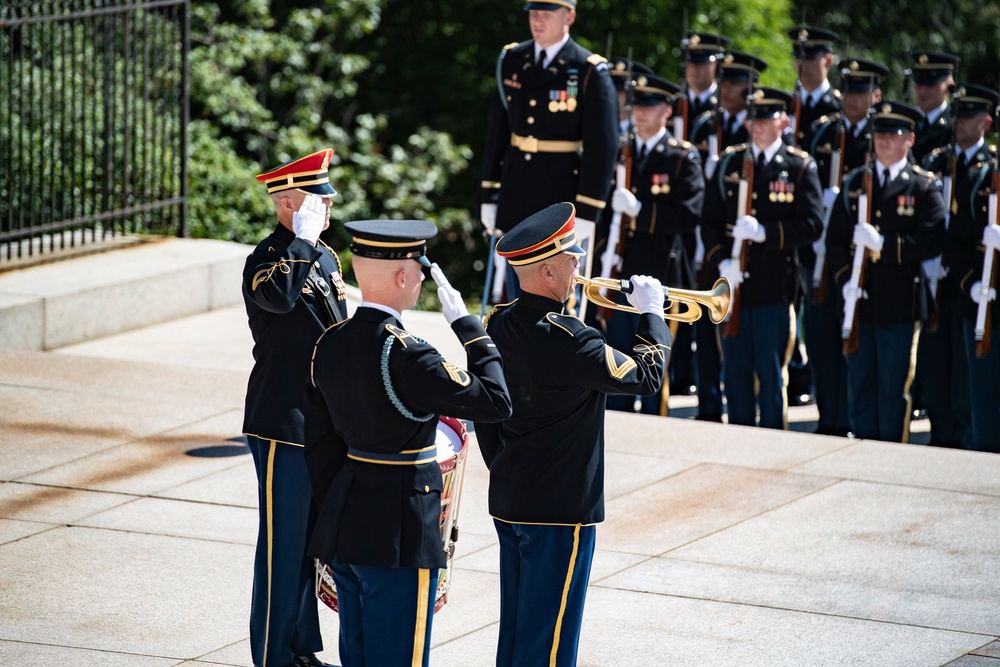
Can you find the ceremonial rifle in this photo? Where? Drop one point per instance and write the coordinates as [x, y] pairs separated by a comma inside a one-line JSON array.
[[740, 254], [850, 329], [836, 175], [618, 233], [796, 121], [907, 73], [984, 322]]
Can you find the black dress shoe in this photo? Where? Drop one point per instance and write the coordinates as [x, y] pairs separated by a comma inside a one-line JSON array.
[[309, 661], [709, 418], [797, 400]]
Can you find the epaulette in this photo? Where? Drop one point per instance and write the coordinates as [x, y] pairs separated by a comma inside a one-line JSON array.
[[401, 335], [797, 152], [508, 47], [496, 309], [837, 94], [993, 149], [826, 119], [595, 59], [934, 153], [737, 148], [679, 143], [923, 172], [568, 323]]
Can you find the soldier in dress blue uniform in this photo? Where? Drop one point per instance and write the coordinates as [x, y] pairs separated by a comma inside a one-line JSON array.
[[786, 213], [553, 129], [662, 204], [694, 122], [619, 74], [970, 234], [824, 313], [372, 409], [737, 72], [816, 97], [943, 354], [293, 290], [934, 80], [906, 228], [547, 461]]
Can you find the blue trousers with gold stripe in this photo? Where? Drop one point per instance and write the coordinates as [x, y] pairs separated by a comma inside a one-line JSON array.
[[385, 614], [879, 376], [284, 620], [544, 571], [760, 350]]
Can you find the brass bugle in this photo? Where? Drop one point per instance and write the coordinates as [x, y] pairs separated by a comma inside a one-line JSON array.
[[716, 300]]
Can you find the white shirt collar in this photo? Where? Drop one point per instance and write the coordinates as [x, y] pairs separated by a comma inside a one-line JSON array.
[[894, 169], [816, 94], [769, 151], [705, 94], [651, 142], [936, 113], [971, 150], [383, 308], [551, 50]]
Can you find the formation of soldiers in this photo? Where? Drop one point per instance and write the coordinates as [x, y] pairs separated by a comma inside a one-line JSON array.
[[861, 227]]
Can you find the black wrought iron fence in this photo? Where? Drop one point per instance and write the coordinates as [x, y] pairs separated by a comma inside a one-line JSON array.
[[93, 122]]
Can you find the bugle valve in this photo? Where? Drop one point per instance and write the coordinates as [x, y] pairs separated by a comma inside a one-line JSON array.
[[716, 300]]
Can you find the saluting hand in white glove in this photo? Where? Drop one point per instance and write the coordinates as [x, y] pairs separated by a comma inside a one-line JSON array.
[[452, 305], [310, 219]]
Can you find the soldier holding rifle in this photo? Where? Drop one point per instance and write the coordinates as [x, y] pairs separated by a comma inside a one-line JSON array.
[[900, 224], [842, 140], [782, 210], [971, 246], [662, 202]]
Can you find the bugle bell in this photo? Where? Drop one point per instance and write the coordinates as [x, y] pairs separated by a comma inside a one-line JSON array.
[[716, 300]]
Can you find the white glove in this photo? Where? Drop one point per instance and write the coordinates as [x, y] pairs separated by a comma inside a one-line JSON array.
[[451, 300], [309, 220], [853, 292], [488, 216], [623, 201], [748, 228], [710, 164], [829, 197], [731, 270], [977, 293], [991, 236], [866, 235], [647, 295]]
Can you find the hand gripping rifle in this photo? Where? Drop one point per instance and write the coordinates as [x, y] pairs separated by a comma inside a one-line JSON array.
[[621, 225], [983, 330], [836, 177], [740, 253], [850, 329]]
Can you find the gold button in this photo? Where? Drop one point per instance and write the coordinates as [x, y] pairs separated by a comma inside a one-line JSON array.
[[878, 214], [532, 103], [426, 488], [508, 98], [527, 156], [531, 120], [753, 196], [753, 211]]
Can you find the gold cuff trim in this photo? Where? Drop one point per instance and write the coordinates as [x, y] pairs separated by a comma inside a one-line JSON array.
[[590, 201]]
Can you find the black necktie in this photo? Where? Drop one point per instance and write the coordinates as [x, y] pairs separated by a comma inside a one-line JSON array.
[[731, 126], [642, 151], [541, 59], [885, 178], [761, 161], [960, 163]]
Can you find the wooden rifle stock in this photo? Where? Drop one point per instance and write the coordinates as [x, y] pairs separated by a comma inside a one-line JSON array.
[[740, 253], [850, 331]]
